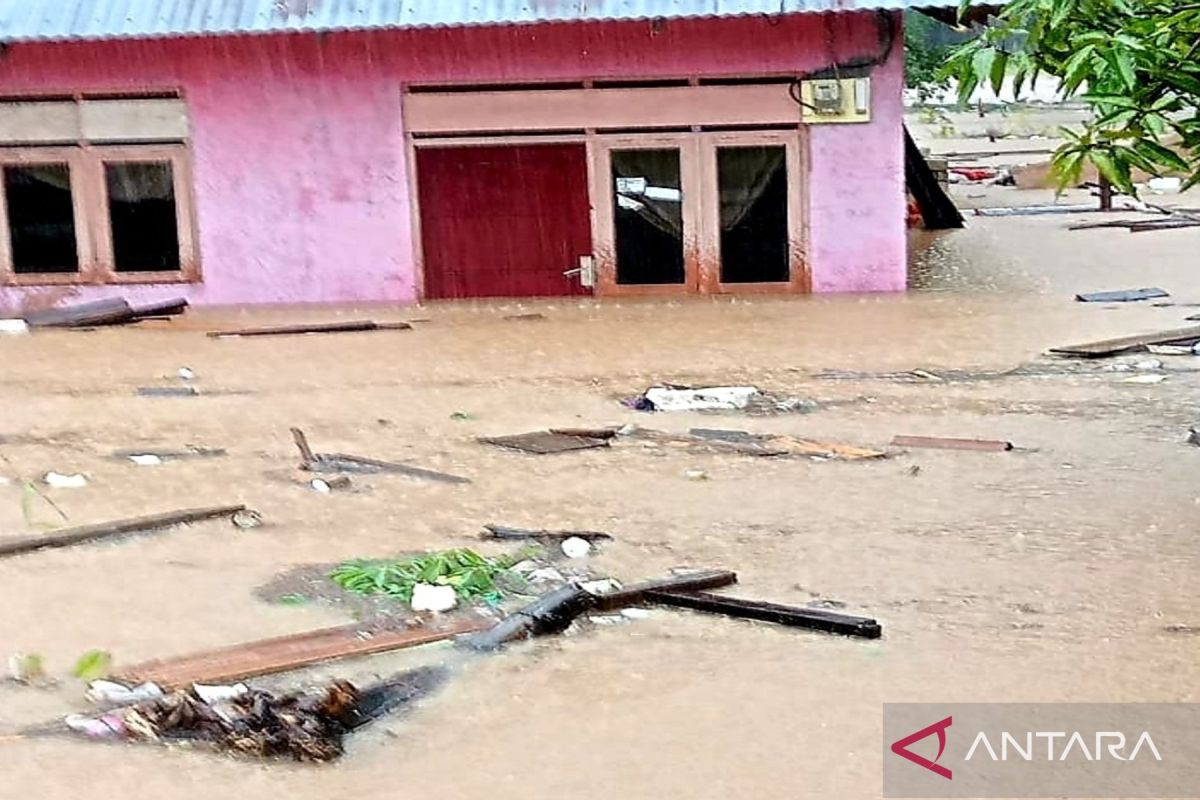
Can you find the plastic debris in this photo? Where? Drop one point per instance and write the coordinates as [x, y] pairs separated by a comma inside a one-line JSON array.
[[146, 460], [118, 694], [1175, 349], [601, 586], [715, 398], [576, 547], [329, 485], [428, 597], [185, 373], [546, 575], [59, 481], [1165, 185], [636, 613], [13, 327], [109, 726], [696, 475], [1145, 379], [220, 694], [246, 519]]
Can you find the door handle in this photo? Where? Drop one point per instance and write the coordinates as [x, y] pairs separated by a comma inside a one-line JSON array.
[[586, 271]]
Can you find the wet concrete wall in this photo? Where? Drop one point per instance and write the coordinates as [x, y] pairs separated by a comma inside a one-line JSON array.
[[300, 174]]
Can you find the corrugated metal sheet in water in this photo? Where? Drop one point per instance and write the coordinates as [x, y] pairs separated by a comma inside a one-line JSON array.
[[22, 20]]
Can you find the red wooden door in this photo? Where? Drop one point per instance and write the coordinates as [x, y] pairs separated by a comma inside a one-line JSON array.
[[503, 221]]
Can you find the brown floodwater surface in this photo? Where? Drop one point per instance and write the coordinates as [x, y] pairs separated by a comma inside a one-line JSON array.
[[1051, 573]]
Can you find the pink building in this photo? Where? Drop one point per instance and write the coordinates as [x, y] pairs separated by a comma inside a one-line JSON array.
[[372, 150]]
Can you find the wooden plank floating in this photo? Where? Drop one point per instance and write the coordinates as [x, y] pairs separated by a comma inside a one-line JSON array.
[[752, 444], [168, 391], [1127, 344], [167, 308], [359, 326], [942, 443], [504, 533], [810, 618], [112, 311], [284, 653], [96, 312], [340, 462], [689, 582], [1123, 296], [105, 530], [545, 442]]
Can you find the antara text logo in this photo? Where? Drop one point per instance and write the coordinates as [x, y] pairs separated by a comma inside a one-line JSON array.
[[1111, 742], [1042, 750]]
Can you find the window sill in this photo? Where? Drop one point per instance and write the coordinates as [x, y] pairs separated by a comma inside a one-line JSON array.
[[120, 279]]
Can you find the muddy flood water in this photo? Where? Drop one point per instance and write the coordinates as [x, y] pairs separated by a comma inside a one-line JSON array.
[[1063, 571]]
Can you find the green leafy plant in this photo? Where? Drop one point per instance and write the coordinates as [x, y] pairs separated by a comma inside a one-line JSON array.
[[292, 600], [1136, 63], [93, 665], [27, 668], [926, 49], [473, 576]]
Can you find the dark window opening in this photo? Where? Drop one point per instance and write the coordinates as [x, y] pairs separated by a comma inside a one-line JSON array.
[[41, 219], [761, 80], [143, 216], [459, 88], [654, 83], [753, 187], [648, 212]]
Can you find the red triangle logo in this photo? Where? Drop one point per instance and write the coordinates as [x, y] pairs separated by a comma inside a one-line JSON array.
[[900, 747]]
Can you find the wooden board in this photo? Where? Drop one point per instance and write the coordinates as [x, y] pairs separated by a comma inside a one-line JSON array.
[[268, 656], [97, 312], [340, 462], [809, 447], [1122, 296], [750, 444], [942, 443], [88, 533], [505, 533], [320, 327], [545, 442], [575, 109], [1126, 344], [810, 618], [689, 582]]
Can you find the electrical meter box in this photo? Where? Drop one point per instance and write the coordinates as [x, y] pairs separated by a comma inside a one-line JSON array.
[[832, 100]]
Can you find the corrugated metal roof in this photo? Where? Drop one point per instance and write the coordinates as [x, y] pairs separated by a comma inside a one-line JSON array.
[[24, 20]]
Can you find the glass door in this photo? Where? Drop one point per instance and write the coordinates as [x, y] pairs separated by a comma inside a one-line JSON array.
[[647, 210], [753, 213]]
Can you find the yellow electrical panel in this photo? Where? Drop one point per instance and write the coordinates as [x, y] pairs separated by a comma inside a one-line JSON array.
[[834, 100]]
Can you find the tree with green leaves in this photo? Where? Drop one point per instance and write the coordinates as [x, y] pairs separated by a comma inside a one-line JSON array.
[[925, 55], [1135, 62]]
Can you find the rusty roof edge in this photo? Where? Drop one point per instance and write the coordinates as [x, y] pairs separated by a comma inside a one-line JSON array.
[[79, 20]]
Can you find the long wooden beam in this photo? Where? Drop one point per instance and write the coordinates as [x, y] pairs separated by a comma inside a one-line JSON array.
[[103, 530], [284, 653]]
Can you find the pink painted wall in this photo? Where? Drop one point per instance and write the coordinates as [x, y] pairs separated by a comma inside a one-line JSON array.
[[300, 175]]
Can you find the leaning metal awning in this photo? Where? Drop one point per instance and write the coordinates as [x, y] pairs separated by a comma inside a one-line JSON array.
[[65, 20]]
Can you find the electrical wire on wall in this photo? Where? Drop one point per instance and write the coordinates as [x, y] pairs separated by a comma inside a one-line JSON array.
[[859, 67]]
